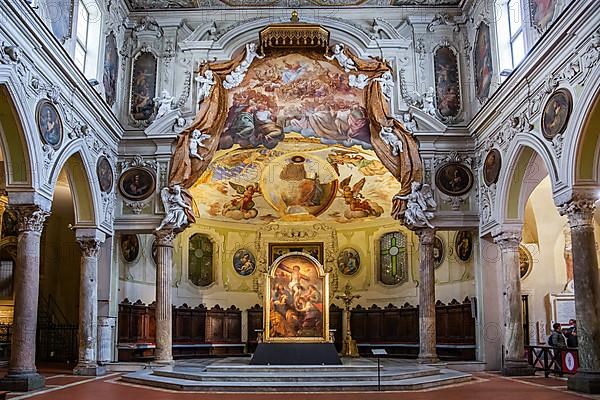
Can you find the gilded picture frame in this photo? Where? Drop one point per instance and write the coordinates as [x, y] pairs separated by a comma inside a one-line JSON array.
[[296, 300], [314, 249]]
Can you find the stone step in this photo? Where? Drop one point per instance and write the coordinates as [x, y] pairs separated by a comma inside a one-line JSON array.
[[296, 368]]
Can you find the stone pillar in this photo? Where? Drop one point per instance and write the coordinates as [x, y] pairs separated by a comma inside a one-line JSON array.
[[515, 363], [88, 307], [22, 375], [427, 333], [580, 212], [164, 268]]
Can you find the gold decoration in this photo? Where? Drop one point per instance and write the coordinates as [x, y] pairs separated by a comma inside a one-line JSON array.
[[294, 34]]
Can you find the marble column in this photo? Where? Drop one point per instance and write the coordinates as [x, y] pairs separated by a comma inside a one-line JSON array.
[[22, 375], [427, 332], [88, 307], [164, 268], [515, 363], [580, 213]]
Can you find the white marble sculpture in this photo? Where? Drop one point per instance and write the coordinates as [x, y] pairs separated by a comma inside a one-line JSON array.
[[345, 62], [428, 101], [408, 120], [420, 206], [386, 81], [235, 77], [359, 81], [196, 142], [388, 136], [164, 103], [251, 54], [175, 207], [205, 84]]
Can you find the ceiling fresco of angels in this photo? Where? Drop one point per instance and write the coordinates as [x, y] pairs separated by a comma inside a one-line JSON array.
[[299, 180], [294, 93]]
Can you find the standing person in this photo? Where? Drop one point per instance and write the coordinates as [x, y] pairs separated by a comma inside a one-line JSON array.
[[557, 339], [571, 333]]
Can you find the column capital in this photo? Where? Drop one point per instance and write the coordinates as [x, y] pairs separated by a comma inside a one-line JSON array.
[[30, 217], [89, 245], [508, 240], [426, 236], [579, 210], [165, 237]]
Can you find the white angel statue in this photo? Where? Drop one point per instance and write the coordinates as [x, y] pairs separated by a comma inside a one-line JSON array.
[[386, 81], [234, 78], [251, 54], [387, 135], [205, 84], [196, 141], [345, 62], [359, 81], [175, 208], [428, 99], [420, 206], [164, 104], [409, 122]]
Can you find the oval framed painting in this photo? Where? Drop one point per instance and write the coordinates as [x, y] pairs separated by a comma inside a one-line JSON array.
[[454, 179], [104, 172], [556, 113], [244, 262], [525, 262], [438, 252], [348, 261], [463, 245], [49, 124], [491, 167], [137, 184], [130, 247]]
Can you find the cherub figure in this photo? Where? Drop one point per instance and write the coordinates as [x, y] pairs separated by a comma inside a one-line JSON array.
[[175, 208], [164, 104], [251, 54], [196, 141], [345, 62], [420, 206], [242, 205], [386, 82], [359, 81], [205, 84], [234, 78], [358, 208], [428, 100], [388, 136]]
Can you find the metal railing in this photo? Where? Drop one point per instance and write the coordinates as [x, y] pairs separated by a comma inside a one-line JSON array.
[[556, 360]]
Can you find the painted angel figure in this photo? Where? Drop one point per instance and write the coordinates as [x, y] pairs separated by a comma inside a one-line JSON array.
[[420, 206], [164, 104], [205, 84], [386, 82], [196, 141], [345, 62], [175, 208], [388, 136]]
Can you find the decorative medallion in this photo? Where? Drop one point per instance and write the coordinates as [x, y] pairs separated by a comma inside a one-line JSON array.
[[557, 111], [137, 184], [463, 245], [49, 124], [525, 262], [438, 252], [348, 261], [244, 262], [491, 167], [454, 179], [130, 247], [104, 172]]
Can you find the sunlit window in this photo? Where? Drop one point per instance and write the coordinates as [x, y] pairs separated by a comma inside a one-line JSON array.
[[83, 27], [87, 37], [511, 37]]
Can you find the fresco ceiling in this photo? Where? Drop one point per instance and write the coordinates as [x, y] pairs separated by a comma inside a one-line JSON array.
[[204, 4]]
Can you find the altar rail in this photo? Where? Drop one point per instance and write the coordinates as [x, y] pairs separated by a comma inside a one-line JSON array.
[[556, 360]]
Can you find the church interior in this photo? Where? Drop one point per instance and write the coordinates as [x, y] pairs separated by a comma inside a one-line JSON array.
[[237, 199]]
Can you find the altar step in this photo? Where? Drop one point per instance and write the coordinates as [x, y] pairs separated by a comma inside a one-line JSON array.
[[353, 375]]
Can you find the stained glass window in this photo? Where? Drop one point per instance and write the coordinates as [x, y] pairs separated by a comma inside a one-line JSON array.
[[393, 265], [200, 267]]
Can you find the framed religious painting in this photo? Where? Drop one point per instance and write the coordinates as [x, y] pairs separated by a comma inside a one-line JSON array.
[[556, 113], [104, 172], [525, 262], [137, 184], [49, 124], [296, 300], [130, 247], [314, 249], [348, 261], [463, 245], [482, 62], [111, 69], [491, 167], [542, 13], [244, 262], [143, 86], [438, 252], [447, 84], [454, 179]]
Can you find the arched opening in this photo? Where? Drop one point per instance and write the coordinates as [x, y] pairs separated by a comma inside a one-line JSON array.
[[587, 158]]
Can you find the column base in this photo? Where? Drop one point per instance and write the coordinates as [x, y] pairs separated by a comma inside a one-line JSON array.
[[428, 359], [23, 382], [164, 362], [585, 382], [89, 370], [517, 368]]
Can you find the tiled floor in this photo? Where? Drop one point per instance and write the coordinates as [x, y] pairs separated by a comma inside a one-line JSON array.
[[486, 386]]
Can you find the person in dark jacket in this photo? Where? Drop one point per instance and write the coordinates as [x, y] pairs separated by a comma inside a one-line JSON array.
[[557, 339], [571, 333]]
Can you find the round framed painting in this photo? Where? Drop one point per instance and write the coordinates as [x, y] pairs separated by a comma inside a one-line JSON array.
[[130, 247], [137, 184], [105, 174], [556, 113], [454, 179], [491, 167], [463, 245], [244, 262], [49, 124], [348, 261], [525, 262], [438, 252]]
